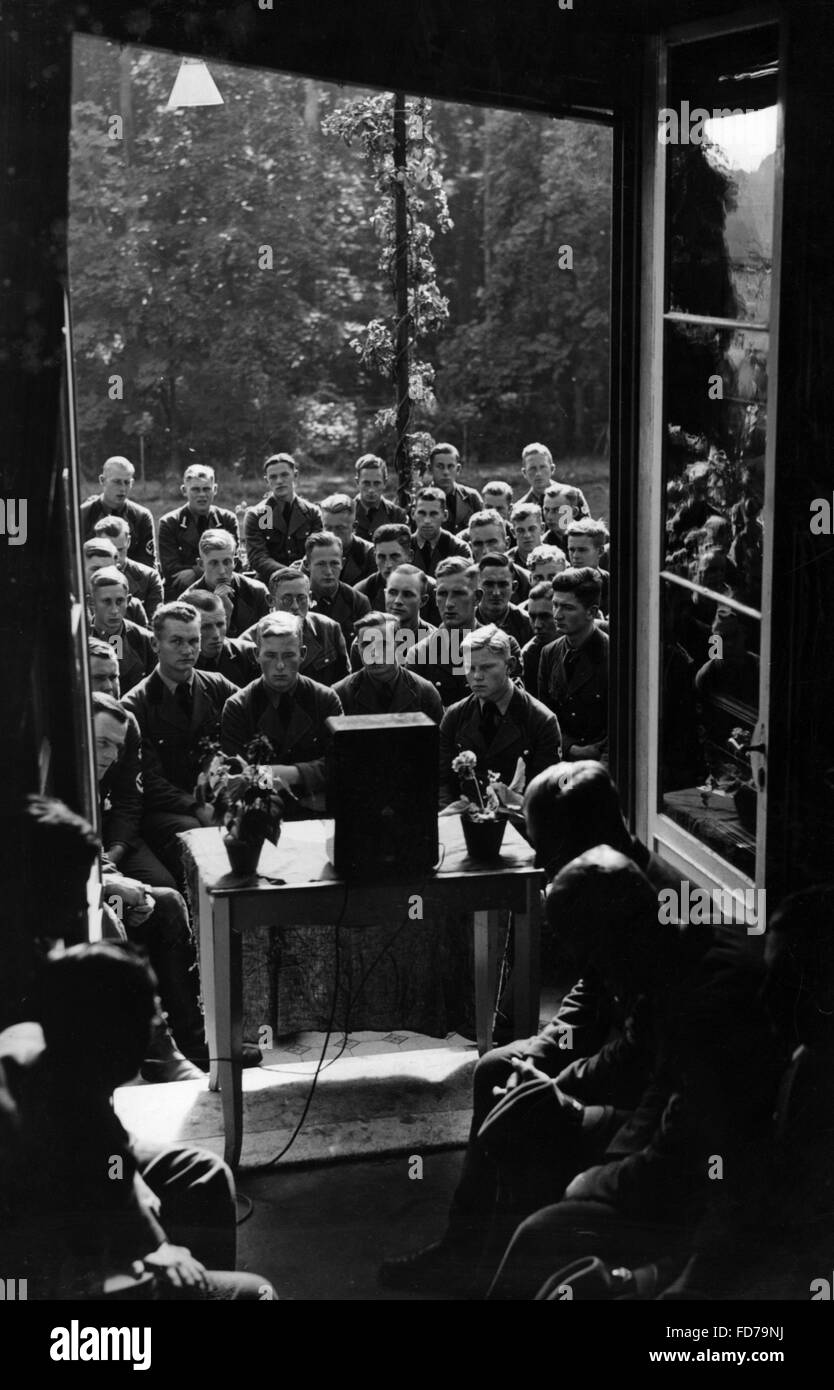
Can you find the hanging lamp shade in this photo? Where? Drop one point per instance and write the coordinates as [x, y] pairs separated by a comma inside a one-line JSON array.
[[194, 86]]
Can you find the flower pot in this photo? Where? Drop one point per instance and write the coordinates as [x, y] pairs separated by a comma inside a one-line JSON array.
[[483, 837], [244, 855]]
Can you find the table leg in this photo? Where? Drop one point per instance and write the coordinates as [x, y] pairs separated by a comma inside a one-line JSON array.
[[485, 926], [526, 977], [228, 1004], [205, 941]]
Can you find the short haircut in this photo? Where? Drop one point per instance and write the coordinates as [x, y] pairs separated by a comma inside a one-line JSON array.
[[370, 461], [102, 651], [318, 540], [107, 576], [178, 612], [536, 449], [286, 576], [586, 526], [280, 458], [571, 807], [373, 621], [498, 561], [455, 564], [394, 533], [106, 704], [95, 1003], [443, 449], [120, 460], [206, 602], [51, 834], [498, 485], [522, 510], [412, 571], [584, 582], [544, 589], [543, 553], [488, 517], [569, 495], [489, 638], [431, 494], [217, 539], [198, 470], [338, 502], [111, 526], [99, 545], [279, 625]]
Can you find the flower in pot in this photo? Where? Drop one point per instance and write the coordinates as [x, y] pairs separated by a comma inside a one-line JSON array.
[[245, 800], [483, 818]]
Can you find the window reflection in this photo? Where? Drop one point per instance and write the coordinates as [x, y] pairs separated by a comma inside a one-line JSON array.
[[714, 458]]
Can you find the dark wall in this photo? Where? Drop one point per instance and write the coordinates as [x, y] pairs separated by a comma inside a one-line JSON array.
[[801, 752]]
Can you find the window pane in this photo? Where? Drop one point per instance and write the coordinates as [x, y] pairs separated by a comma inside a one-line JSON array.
[[709, 709], [720, 129], [714, 446]]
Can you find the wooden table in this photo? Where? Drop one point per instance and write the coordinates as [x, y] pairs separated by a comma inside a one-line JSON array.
[[310, 893]]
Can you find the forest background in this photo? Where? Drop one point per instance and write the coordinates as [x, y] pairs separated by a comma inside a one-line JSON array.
[[189, 347]]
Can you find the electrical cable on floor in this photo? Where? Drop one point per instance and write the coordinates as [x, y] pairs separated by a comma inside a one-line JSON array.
[[321, 1064]]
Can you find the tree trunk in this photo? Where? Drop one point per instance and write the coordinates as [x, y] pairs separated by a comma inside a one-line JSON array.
[[126, 103], [401, 383]]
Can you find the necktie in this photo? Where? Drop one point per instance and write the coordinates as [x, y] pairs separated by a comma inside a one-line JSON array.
[[184, 700], [571, 658], [287, 514], [489, 721], [384, 694], [285, 708]]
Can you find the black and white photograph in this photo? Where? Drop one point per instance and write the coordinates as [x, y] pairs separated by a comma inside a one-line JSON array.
[[418, 629]]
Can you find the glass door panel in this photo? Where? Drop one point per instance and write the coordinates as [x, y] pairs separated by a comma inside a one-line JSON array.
[[718, 135]]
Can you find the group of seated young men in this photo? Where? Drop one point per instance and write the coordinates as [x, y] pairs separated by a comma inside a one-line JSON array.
[[598, 1136], [472, 614]]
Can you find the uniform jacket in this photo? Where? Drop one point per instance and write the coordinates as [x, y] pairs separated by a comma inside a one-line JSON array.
[[303, 742], [412, 694], [359, 561], [120, 792], [344, 608], [250, 603], [386, 514], [528, 730], [179, 543], [448, 544], [170, 760], [270, 544], [715, 1071], [530, 657], [325, 657], [139, 519], [581, 702], [237, 662], [145, 585], [462, 502], [514, 621], [133, 651]]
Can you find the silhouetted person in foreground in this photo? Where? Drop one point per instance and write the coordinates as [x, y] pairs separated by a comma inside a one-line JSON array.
[[83, 1205]]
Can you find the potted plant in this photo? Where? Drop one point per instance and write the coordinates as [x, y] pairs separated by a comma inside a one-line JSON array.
[[483, 818], [244, 800]]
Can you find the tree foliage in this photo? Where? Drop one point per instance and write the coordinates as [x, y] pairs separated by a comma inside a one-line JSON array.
[[223, 357]]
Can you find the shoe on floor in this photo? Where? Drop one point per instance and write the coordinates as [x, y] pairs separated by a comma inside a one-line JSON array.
[[444, 1265], [177, 1068], [198, 1053]]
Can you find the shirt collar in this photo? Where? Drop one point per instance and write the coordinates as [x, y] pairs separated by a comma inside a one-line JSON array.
[[172, 686], [503, 704]]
